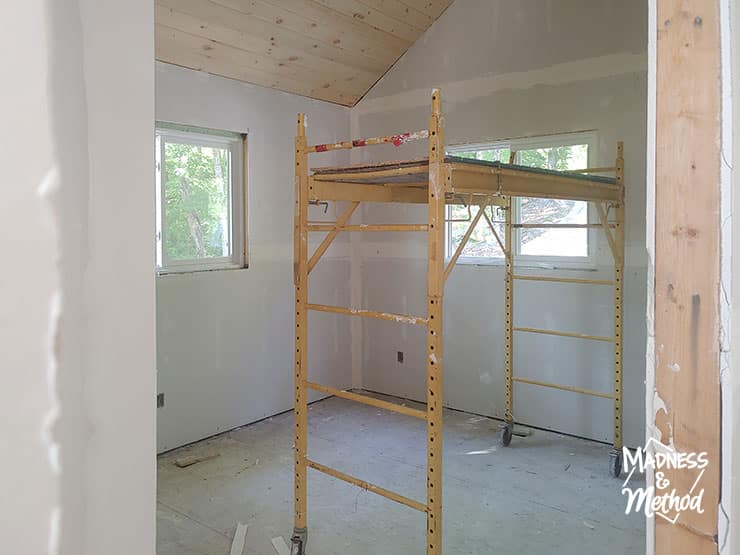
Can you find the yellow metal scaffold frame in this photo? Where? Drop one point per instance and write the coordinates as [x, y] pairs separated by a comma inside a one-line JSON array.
[[614, 231], [435, 181]]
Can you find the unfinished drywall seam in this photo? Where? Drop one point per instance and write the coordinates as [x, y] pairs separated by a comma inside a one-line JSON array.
[[29, 289], [587, 69], [650, 352], [725, 510], [70, 205], [356, 282]]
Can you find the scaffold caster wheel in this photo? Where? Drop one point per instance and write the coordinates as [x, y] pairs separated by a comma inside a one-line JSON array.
[[615, 464], [506, 433], [296, 546], [298, 542]]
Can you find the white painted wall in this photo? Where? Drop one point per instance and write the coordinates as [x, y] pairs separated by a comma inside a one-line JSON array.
[[511, 70], [225, 338], [28, 288], [77, 326]]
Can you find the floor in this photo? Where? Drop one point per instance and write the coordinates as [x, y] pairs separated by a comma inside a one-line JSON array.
[[546, 493]]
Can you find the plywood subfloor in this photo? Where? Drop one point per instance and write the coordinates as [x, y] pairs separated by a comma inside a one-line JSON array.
[[545, 494]]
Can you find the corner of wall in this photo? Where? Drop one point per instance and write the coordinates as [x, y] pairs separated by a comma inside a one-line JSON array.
[[356, 325]]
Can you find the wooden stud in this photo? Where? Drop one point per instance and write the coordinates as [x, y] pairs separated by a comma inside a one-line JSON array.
[[688, 330], [301, 320], [435, 295]]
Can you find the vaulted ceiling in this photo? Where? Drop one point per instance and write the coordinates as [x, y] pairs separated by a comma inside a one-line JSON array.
[[332, 50]]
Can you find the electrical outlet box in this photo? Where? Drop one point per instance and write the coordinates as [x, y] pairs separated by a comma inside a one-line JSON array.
[[160, 400], [399, 356]]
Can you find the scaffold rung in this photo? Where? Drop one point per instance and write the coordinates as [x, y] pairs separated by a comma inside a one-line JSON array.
[[565, 334], [564, 280], [402, 318], [367, 227], [373, 402], [565, 388], [556, 226], [367, 486]]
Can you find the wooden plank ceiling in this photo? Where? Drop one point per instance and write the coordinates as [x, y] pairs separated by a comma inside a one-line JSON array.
[[332, 50]]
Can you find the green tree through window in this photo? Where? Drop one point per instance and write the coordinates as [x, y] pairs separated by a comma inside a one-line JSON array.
[[196, 210], [200, 199]]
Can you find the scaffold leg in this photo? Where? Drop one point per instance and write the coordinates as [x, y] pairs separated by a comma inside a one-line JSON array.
[[508, 430], [615, 463], [506, 433]]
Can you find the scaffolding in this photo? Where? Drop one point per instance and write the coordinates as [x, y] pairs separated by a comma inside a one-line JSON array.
[[437, 181], [613, 228]]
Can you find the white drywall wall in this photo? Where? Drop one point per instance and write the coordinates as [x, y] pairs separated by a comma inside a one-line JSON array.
[[511, 70], [78, 111], [29, 288], [225, 338]]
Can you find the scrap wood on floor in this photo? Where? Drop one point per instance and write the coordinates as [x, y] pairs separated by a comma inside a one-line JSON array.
[[280, 546], [240, 537], [190, 460]]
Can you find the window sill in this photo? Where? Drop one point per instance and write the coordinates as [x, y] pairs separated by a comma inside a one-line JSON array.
[[198, 270], [568, 266]]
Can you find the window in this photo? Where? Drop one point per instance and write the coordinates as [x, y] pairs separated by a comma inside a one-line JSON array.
[[200, 199], [562, 245]]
